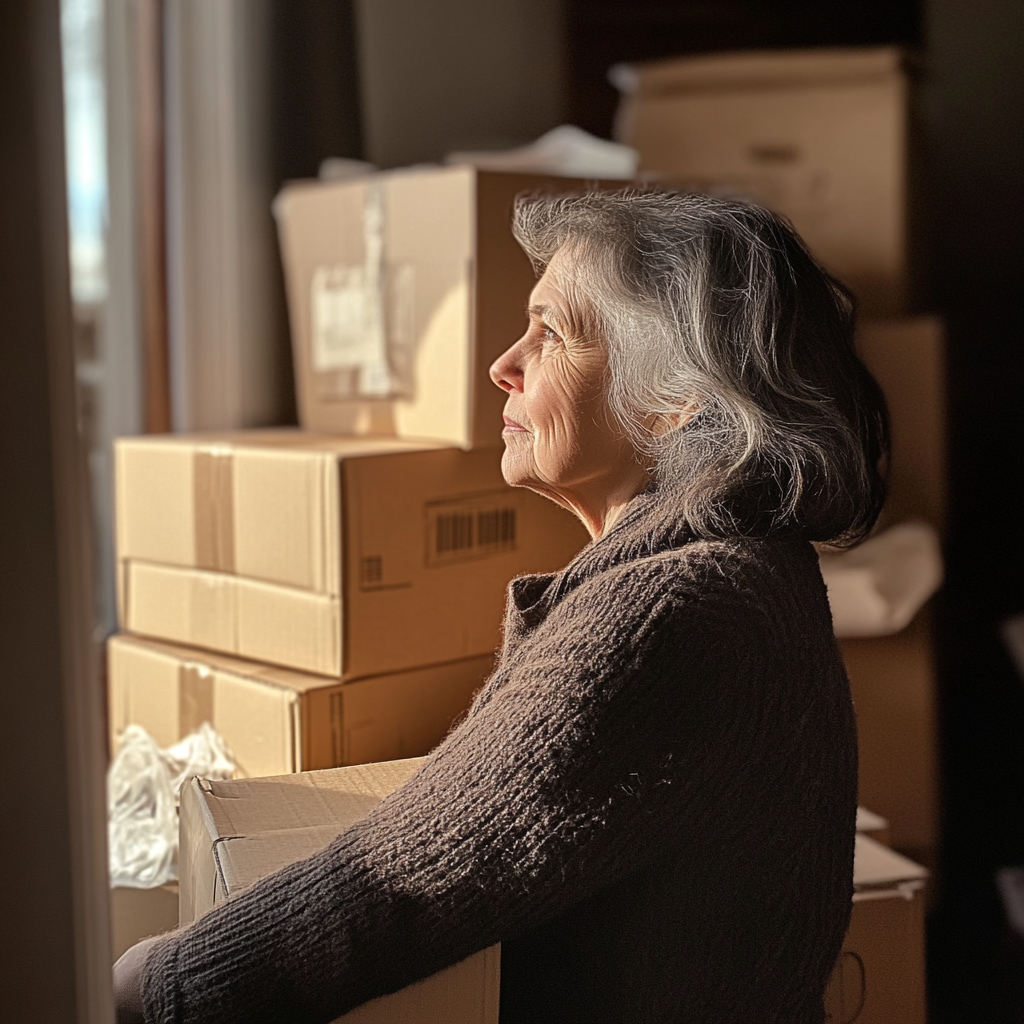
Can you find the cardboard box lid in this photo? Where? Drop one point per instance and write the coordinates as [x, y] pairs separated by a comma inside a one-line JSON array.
[[335, 798], [760, 69]]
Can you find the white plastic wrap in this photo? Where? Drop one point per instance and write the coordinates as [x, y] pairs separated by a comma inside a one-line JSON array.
[[877, 587], [143, 788]]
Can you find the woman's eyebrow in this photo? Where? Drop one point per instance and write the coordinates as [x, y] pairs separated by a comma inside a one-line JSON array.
[[540, 312]]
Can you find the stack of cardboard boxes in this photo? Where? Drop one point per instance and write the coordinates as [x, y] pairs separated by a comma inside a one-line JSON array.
[[333, 595], [826, 137]]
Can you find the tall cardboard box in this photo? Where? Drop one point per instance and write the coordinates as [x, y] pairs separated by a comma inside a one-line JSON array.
[[880, 977], [822, 136], [277, 720], [235, 833], [907, 357], [403, 288], [347, 557], [892, 680]]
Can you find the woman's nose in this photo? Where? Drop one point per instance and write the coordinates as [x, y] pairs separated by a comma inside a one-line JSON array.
[[506, 370]]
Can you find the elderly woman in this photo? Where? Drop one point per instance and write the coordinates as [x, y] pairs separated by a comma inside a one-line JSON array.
[[651, 802]]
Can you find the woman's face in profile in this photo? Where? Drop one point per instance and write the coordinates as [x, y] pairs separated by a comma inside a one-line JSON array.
[[560, 437]]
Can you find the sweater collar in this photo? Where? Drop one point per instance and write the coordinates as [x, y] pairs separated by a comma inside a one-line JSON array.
[[651, 523]]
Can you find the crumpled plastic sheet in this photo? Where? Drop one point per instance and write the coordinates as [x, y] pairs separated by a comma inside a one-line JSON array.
[[879, 586], [143, 789]]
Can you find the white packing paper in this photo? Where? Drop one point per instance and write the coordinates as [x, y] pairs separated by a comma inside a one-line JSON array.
[[566, 150], [143, 789], [878, 587]]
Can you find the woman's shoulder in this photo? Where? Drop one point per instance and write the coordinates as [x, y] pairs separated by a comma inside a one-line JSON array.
[[732, 562], [708, 578]]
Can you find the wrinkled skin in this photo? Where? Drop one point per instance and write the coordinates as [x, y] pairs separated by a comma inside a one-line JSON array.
[[561, 440]]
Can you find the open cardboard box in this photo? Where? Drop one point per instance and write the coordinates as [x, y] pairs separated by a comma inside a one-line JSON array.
[[880, 978], [348, 557], [277, 720], [403, 288], [235, 833], [822, 136]]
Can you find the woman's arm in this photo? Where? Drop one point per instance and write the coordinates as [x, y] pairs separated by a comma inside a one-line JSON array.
[[576, 765]]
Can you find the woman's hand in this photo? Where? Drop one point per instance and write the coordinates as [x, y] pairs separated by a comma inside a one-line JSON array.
[[128, 982]]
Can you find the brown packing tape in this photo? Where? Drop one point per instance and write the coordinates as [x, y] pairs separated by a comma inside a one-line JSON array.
[[213, 508], [195, 696]]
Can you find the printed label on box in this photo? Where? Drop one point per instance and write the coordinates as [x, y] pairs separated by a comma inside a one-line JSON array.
[[472, 527]]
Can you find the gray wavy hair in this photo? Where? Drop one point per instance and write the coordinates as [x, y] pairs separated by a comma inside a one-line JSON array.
[[716, 308]]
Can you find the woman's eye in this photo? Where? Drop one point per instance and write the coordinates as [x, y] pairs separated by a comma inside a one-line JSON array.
[[550, 335]]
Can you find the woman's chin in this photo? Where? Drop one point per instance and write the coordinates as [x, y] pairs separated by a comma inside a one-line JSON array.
[[518, 467]]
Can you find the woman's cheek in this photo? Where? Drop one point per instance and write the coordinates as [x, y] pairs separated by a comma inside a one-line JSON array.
[[553, 415]]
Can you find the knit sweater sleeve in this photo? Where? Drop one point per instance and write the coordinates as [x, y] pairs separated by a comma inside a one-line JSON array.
[[590, 741]]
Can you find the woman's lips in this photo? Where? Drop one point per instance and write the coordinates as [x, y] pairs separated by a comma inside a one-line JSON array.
[[511, 427]]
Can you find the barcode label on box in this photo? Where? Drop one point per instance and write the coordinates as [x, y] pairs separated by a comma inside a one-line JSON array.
[[472, 527]]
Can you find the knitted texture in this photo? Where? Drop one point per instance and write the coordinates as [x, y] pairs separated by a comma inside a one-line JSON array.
[[651, 804]]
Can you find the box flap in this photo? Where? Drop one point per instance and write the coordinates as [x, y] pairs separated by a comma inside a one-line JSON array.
[[763, 69], [336, 797], [197, 867], [143, 649], [223, 612], [244, 860], [877, 867], [316, 804]]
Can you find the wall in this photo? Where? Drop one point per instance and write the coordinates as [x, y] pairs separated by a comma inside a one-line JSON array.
[[457, 74]]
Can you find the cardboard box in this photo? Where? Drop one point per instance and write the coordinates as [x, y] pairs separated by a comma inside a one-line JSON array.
[[892, 680], [880, 976], [235, 833], [403, 288], [348, 557], [136, 914], [907, 357], [277, 720], [818, 135]]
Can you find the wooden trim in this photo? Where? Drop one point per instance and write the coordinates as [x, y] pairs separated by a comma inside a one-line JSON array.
[[55, 939], [148, 43]]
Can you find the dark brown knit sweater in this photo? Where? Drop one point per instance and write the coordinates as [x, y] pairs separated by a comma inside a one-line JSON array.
[[651, 804]]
